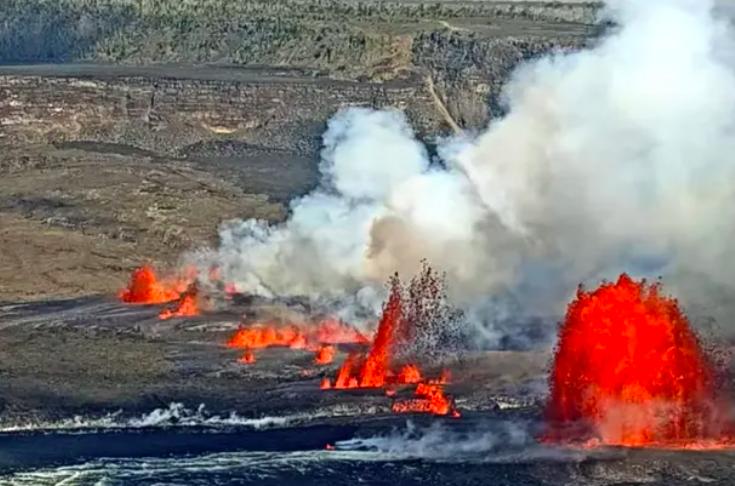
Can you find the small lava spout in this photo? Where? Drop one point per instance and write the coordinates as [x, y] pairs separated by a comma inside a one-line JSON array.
[[247, 358], [399, 324], [629, 371], [376, 365], [324, 355], [344, 377], [146, 288]]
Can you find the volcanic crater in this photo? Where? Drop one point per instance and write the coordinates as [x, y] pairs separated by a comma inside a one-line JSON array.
[[137, 347]]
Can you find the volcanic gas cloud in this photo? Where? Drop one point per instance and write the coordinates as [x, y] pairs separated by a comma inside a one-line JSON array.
[[629, 371]]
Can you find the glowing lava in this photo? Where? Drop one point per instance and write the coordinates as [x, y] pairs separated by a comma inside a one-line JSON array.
[[247, 358], [186, 305], [431, 399], [405, 315], [324, 355], [145, 288], [373, 370], [302, 336], [409, 374], [629, 371]]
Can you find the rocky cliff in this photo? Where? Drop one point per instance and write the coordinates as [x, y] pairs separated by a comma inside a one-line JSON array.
[[165, 110]]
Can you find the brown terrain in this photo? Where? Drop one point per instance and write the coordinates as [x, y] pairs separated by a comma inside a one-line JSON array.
[[109, 161], [105, 166]]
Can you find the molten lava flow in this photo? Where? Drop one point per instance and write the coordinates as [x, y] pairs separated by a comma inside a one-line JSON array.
[[334, 332], [297, 336], [324, 355], [629, 371], [431, 400], [186, 306], [145, 288], [265, 337]]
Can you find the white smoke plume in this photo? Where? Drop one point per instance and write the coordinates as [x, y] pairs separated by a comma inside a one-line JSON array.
[[175, 415], [500, 441], [615, 158]]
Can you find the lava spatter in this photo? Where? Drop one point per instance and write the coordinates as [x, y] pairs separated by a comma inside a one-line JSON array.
[[629, 371]]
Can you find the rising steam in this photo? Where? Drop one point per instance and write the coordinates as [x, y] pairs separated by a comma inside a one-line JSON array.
[[616, 158]]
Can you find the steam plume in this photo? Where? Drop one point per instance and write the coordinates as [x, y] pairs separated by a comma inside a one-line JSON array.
[[487, 441], [615, 158]]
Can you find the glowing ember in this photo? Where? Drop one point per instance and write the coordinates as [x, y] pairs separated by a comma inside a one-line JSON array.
[[326, 384], [324, 355], [145, 288], [629, 371], [247, 358]]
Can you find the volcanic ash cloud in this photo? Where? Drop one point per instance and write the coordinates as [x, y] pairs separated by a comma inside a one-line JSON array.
[[616, 158]]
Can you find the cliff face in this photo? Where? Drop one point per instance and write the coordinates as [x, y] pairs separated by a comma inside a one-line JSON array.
[[165, 114], [471, 72]]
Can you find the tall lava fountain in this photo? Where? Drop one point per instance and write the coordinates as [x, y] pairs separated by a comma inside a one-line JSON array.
[[629, 370]]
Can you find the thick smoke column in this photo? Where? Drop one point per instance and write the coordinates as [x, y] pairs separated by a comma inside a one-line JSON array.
[[617, 158]]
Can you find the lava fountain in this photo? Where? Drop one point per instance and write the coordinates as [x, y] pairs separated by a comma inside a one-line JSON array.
[[146, 288], [408, 313], [629, 371]]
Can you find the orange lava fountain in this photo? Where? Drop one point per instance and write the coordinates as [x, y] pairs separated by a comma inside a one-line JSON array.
[[146, 288], [400, 322], [629, 371]]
